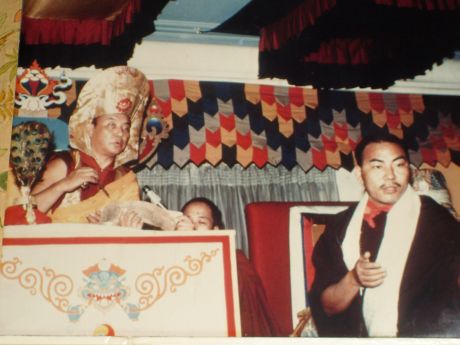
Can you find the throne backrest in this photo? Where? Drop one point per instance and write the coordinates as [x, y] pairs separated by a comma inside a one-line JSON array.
[[268, 238]]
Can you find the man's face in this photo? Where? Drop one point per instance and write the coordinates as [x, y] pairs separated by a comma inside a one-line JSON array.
[[200, 215], [110, 134], [384, 172]]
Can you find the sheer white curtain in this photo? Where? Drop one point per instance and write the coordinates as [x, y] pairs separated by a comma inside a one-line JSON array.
[[232, 188]]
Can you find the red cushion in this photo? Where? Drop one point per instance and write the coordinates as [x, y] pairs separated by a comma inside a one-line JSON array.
[[16, 215]]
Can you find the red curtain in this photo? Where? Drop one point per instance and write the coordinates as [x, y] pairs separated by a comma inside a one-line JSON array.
[[75, 33], [365, 43]]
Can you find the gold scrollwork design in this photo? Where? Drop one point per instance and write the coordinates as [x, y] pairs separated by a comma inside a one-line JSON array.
[[53, 287], [152, 286]]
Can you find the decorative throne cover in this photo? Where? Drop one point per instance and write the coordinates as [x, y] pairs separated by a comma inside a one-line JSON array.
[[69, 279]]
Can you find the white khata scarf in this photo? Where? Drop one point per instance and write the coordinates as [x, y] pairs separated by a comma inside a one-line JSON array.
[[380, 304]]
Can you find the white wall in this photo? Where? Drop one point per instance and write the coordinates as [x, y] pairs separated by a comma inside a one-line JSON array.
[[194, 61]]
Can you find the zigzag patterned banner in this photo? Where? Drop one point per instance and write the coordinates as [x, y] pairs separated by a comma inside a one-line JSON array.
[[232, 123], [255, 124]]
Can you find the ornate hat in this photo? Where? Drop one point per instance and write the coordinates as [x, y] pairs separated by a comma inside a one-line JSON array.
[[116, 90]]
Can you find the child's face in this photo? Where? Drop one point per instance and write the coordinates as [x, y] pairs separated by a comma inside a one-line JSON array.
[[200, 215]]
